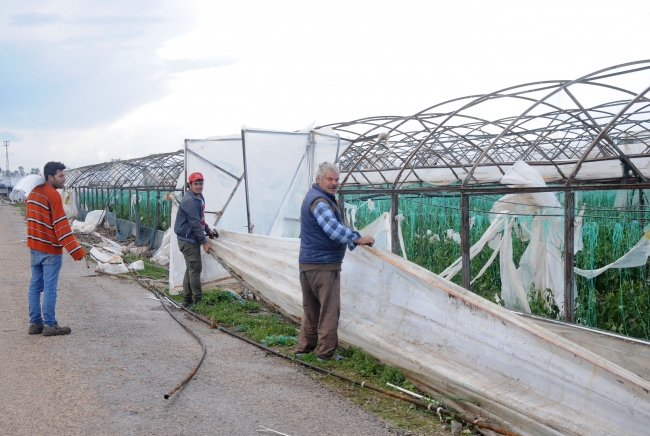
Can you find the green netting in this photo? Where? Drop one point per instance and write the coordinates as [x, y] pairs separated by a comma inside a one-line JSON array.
[[613, 222]]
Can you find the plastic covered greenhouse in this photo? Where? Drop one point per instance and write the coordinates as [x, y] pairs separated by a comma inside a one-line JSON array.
[[551, 178], [129, 193], [510, 175]]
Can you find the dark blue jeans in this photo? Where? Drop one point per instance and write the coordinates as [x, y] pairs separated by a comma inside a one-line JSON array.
[[45, 277]]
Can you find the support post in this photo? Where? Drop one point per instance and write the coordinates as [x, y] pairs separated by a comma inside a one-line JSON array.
[[146, 210], [185, 165], [248, 204], [158, 207], [394, 225], [569, 278], [137, 206], [641, 211], [644, 269], [464, 239]]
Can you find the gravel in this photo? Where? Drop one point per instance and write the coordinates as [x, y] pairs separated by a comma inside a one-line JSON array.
[[125, 352]]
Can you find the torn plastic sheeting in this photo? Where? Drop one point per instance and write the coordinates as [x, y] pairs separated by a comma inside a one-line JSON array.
[[111, 268], [92, 220], [104, 257], [69, 198], [637, 256], [138, 265], [162, 255], [490, 233], [380, 230], [110, 242]]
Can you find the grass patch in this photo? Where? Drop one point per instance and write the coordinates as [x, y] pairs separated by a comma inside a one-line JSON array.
[[150, 269], [261, 324], [20, 205]]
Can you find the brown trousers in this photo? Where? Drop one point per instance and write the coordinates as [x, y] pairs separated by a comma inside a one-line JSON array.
[[321, 303]]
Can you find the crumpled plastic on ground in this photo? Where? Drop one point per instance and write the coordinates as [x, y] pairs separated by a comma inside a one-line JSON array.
[[108, 262], [138, 265], [111, 268], [93, 219]]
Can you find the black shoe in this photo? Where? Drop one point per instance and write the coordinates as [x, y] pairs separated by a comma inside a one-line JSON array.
[[335, 357], [35, 329], [55, 330]]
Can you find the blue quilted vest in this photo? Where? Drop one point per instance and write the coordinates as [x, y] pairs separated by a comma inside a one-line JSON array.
[[315, 245]]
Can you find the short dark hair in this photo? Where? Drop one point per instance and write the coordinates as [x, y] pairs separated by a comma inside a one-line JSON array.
[[51, 168]]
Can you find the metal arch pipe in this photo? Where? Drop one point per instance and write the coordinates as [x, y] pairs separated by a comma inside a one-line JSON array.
[[403, 121], [603, 132], [365, 153], [485, 97], [591, 76]]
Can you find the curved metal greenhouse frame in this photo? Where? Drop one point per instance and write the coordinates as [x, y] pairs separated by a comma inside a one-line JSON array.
[[562, 126], [157, 171], [131, 189], [591, 133]]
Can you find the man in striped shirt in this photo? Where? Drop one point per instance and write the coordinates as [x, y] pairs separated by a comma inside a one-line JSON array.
[[48, 231]]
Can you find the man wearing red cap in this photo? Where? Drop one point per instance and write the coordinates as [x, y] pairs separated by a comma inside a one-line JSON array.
[[190, 229]]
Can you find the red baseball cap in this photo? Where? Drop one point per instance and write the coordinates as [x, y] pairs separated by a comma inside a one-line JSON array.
[[195, 176]]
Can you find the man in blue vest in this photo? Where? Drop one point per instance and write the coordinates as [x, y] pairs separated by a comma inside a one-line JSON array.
[[323, 241]]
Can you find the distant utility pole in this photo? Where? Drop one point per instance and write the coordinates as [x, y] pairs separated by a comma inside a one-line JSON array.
[[7, 167]]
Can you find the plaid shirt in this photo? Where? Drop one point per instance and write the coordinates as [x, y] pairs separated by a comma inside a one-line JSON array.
[[332, 228]]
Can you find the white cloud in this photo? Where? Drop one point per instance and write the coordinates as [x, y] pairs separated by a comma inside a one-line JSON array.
[[91, 81]]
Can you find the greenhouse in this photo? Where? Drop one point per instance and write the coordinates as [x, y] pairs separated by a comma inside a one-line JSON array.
[[130, 194], [482, 190], [532, 198], [582, 150]]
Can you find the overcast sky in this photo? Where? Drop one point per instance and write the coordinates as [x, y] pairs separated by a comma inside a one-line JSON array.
[[88, 81]]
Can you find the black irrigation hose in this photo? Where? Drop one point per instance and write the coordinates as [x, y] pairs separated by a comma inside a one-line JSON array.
[[477, 421], [440, 410], [162, 297]]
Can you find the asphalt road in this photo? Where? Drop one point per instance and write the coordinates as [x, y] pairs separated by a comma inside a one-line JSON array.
[[125, 352]]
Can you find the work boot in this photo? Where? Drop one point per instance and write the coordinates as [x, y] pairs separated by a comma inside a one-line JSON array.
[[55, 330], [35, 329]]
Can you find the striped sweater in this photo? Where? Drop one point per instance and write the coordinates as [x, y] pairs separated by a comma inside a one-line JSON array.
[[48, 229]]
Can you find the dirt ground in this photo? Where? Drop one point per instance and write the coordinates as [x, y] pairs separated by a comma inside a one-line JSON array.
[[125, 352]]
